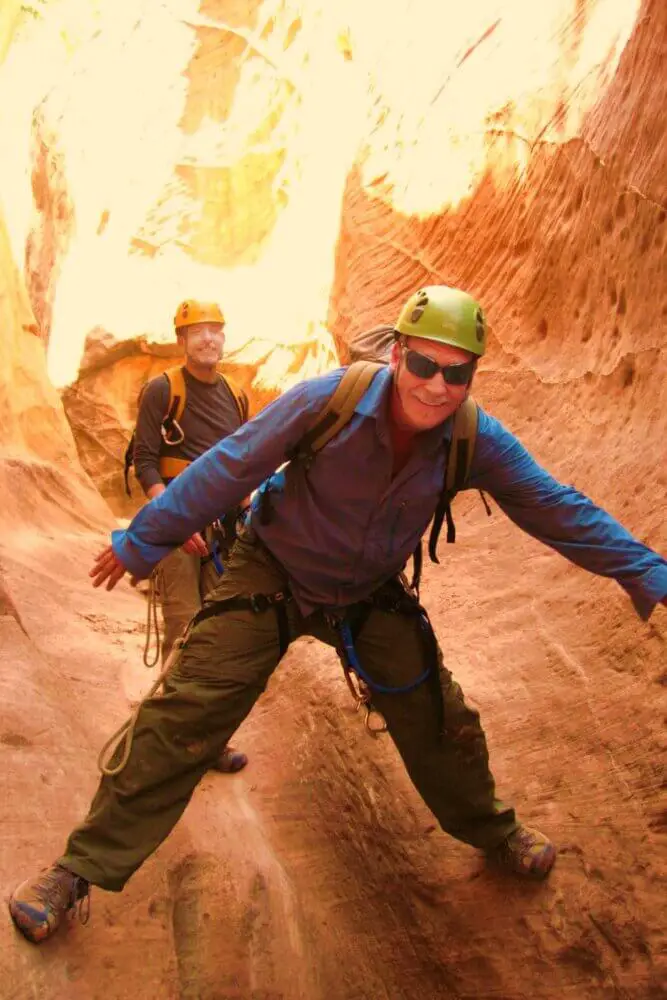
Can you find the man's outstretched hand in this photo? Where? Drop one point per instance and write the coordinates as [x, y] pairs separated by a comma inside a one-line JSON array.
[[107, 566]]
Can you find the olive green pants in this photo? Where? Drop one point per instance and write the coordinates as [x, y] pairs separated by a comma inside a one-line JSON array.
[[223, 667], [182, 581]]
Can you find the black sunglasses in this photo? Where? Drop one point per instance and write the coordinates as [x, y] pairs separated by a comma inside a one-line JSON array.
[[423, 367]]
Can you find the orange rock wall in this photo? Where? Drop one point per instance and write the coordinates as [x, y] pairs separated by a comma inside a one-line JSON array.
[[520, 152], [569, 261]]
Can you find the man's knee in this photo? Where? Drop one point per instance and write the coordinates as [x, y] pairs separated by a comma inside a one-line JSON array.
[[461, 725]]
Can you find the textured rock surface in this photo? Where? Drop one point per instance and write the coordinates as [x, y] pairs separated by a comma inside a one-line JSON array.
[[317, 873]]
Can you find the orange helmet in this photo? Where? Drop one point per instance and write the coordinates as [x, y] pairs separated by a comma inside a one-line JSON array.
[[192, 311]]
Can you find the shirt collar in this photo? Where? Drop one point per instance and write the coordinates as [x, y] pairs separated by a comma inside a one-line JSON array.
[[371, 403]]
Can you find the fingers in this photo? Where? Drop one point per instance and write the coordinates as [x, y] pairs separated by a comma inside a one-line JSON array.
[[202, 547], [106, 568], [104, 558], [115, 576], [195, 545], [108, 573]]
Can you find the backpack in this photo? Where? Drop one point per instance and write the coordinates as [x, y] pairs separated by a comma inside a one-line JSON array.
[[172, 433], [338, 411]]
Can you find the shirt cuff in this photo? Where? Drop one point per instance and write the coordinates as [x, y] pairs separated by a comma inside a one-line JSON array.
[[648, 590], [147, 478], [124, 550]]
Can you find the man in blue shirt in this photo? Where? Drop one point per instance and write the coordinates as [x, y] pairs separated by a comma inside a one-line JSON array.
[[327, 563]]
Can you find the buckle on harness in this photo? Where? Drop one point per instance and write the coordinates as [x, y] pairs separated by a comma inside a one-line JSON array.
[[262, 602], [259, 603]]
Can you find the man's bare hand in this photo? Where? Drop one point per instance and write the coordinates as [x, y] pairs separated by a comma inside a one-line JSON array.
[[107, 566], [195, 546]]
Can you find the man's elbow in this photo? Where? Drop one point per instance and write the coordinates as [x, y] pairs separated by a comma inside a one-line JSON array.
[[148, 478]]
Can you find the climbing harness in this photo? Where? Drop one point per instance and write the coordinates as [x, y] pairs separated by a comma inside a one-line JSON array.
[[393, 597], [360, 684], [256, 603]]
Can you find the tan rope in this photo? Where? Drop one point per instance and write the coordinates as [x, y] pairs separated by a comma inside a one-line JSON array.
[[125, 734], [152, 623]]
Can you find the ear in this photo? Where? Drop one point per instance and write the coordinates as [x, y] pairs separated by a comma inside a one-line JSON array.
[[182, 340], [395, 355]]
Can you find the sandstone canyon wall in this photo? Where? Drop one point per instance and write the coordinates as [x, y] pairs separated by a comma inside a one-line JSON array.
[[309, 167]]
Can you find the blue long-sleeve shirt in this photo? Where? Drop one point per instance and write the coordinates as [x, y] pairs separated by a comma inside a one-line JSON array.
[[343, 527]]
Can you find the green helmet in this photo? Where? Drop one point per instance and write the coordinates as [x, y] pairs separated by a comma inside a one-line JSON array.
[[446, 315]]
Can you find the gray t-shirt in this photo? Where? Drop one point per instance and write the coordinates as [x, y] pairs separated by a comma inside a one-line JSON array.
[[210, 414]]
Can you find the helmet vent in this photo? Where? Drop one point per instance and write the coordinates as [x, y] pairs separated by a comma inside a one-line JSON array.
[[480, 325], [420, 305]]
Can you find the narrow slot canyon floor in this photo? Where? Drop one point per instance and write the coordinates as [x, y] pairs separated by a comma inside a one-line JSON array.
[[317, 872]]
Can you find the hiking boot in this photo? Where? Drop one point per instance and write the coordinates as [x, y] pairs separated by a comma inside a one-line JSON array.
[[39, 905], [229, 761], [526, 852]]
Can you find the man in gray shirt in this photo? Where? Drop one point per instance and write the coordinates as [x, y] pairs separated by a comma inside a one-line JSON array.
[[182, 414]]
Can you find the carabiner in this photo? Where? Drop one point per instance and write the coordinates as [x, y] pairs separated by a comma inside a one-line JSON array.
[[166, 434], [377, 729]]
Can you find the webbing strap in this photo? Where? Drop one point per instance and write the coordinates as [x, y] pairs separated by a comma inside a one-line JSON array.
[[177, 396], [128, 462], [438, 517], [459, 459], [338, 411], [169, 467], [240, 398], [461, 452], [417, 566], [254, 602]]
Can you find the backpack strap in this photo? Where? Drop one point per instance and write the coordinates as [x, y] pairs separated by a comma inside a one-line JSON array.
[[171, 423], [240, 398], [169, 427], [337, 411], [462, 446], [168, 466], [128, 461], [459, 459]]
